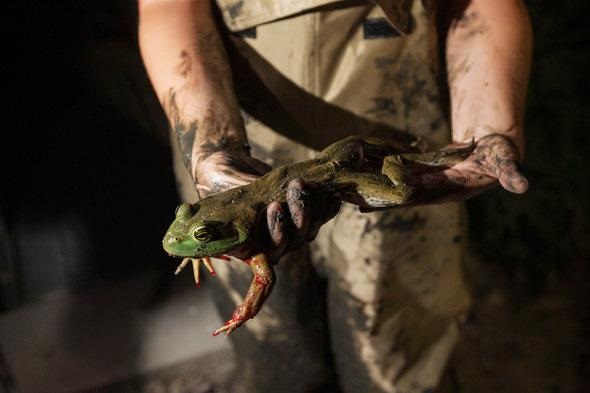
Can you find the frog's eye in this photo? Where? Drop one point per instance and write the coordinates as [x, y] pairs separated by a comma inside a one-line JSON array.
[[202, 234]]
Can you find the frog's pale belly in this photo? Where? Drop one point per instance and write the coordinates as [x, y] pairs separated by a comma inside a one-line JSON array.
[[376, 202]]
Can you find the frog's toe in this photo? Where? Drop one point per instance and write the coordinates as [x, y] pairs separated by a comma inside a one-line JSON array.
[[229, 327], [208, 265], [196, 267], [184, 262]]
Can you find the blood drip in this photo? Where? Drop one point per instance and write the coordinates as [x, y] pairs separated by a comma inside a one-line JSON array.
[[260, 280]]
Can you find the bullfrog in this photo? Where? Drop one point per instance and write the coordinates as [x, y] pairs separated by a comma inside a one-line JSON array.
[[369, 172]]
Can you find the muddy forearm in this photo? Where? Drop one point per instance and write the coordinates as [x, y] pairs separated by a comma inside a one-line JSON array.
[[488, 54], [187, 65]]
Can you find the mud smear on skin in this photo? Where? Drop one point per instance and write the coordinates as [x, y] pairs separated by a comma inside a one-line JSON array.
[[184, 68], [185, 131], [472, 23]]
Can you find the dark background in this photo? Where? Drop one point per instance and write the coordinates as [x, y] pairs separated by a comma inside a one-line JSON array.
[[88, 190]]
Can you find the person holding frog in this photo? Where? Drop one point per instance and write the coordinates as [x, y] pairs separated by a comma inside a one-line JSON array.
[[375, 303]]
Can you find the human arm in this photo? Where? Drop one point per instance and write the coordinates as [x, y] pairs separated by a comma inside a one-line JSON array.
[[488, 48], [186, 62], [188, 67]]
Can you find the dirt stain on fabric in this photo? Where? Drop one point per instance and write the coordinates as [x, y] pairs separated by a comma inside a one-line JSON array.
[[397, 223], [235, 9]]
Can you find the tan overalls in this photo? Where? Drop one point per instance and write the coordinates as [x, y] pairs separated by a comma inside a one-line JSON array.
[[376, 297]]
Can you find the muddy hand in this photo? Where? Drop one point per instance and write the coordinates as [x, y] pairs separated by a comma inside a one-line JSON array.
[[298, 220], [495, 160], [221, 170]]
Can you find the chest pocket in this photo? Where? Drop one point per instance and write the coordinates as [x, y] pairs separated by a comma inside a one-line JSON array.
[[240, 15]]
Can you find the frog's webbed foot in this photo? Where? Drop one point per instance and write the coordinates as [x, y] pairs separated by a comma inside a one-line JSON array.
[[196, 267], [260, 288]]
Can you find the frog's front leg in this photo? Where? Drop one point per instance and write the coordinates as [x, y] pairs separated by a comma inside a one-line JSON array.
[[261, 287], [197, 267]]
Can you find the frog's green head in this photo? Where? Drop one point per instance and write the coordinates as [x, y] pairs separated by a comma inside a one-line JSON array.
[[190, 235]]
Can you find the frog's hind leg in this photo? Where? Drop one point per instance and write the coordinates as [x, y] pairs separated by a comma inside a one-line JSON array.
[[393, 168], [356, 152], [372, 190], [261, 287]]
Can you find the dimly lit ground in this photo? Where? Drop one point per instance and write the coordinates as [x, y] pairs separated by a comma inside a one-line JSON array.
[[515, 342], [73, 342], [120, 338]]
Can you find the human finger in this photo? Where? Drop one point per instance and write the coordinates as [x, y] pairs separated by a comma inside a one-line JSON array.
[[500, 158], [275, 219], [510, 177], [299, 206]]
